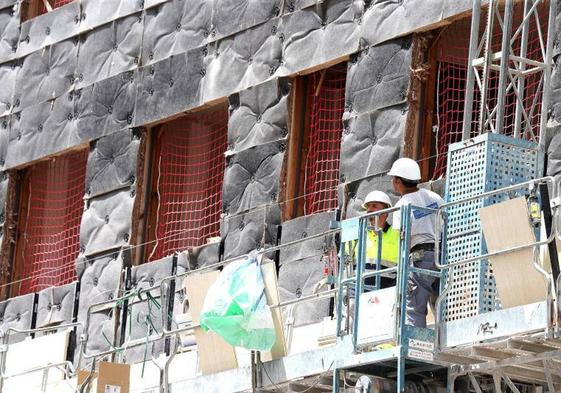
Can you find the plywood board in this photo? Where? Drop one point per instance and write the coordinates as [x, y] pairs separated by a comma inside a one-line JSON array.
[[215, 354], [272, 293], [506, 225], [45, 349]]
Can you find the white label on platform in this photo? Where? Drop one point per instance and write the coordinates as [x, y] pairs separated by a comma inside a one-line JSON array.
[[112, 389], [420, 354]]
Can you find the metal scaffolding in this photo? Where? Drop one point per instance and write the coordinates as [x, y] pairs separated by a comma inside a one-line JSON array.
[[514, 67]]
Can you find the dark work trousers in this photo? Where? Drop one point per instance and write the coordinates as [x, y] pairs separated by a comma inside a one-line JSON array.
[[421, 288]]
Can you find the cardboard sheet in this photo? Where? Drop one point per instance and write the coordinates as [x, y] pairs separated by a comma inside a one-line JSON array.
[[215, 354], [506, 225], [113, 378]]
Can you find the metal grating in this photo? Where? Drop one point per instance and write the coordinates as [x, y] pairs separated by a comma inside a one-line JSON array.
[[485, 163]]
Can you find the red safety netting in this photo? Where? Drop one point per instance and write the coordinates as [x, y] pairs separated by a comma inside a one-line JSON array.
[[452, 58], [324, 143], [51, 222], [54, 4], [189, 167]]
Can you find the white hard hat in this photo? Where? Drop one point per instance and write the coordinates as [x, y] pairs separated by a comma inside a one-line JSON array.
[[406, 168], [377, 196]]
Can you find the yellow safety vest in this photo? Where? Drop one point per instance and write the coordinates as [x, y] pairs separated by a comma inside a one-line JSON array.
[[390, 246]]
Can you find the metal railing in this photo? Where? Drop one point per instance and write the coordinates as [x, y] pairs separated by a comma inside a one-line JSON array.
[[344, 283]]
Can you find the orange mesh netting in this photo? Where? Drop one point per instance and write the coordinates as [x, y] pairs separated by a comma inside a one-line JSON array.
[[51, 233], [327, 105], [189, 166]]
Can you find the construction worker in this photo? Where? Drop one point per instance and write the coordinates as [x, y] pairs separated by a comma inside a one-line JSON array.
[[421, 288], [376, 201]]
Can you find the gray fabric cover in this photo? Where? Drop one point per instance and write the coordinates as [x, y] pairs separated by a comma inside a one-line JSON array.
[[106, 222], [297, 279], [204, 255], [300, 228], [9, 32], [8, 74], [41, 130], [169, 86], [56, 305], [106, 107], [258, 115], [17, 313], [371, 142], [176, 26], [114, 46], [242, 233], [112, 163], [46, 74], [252, 178], [100, 280], [145, 276], [378, 77], [98, 12], [49, 28]]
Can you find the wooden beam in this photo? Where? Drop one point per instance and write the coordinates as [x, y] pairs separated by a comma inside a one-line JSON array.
[[427, 140], [18, 261], [293, 179], [143, 188], [9, 240]]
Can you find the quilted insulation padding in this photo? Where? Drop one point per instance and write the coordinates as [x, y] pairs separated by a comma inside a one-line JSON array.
[[378, 77], [145, 318], [115, 47], [297, 279], [371, 142], [56, 305], [106, 222], [252, 178], [299, 229], [17, 313], [258, 115], [100, 280], [202, 256], [242, 233], [112, 163], [185, 62]]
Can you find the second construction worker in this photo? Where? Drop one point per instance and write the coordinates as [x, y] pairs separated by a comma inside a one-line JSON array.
[[421, 288], [376, 201]]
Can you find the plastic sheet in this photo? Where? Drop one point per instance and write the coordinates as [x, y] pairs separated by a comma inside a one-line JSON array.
[[235, 307]]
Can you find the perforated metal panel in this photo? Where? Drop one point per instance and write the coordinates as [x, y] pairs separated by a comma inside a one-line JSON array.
[[485, 163]]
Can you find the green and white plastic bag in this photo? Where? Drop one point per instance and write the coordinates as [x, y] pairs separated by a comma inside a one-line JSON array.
[[236, 307]]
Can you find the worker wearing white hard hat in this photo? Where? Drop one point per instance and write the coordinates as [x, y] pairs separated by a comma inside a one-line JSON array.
[[377, 201], [421, 288]]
